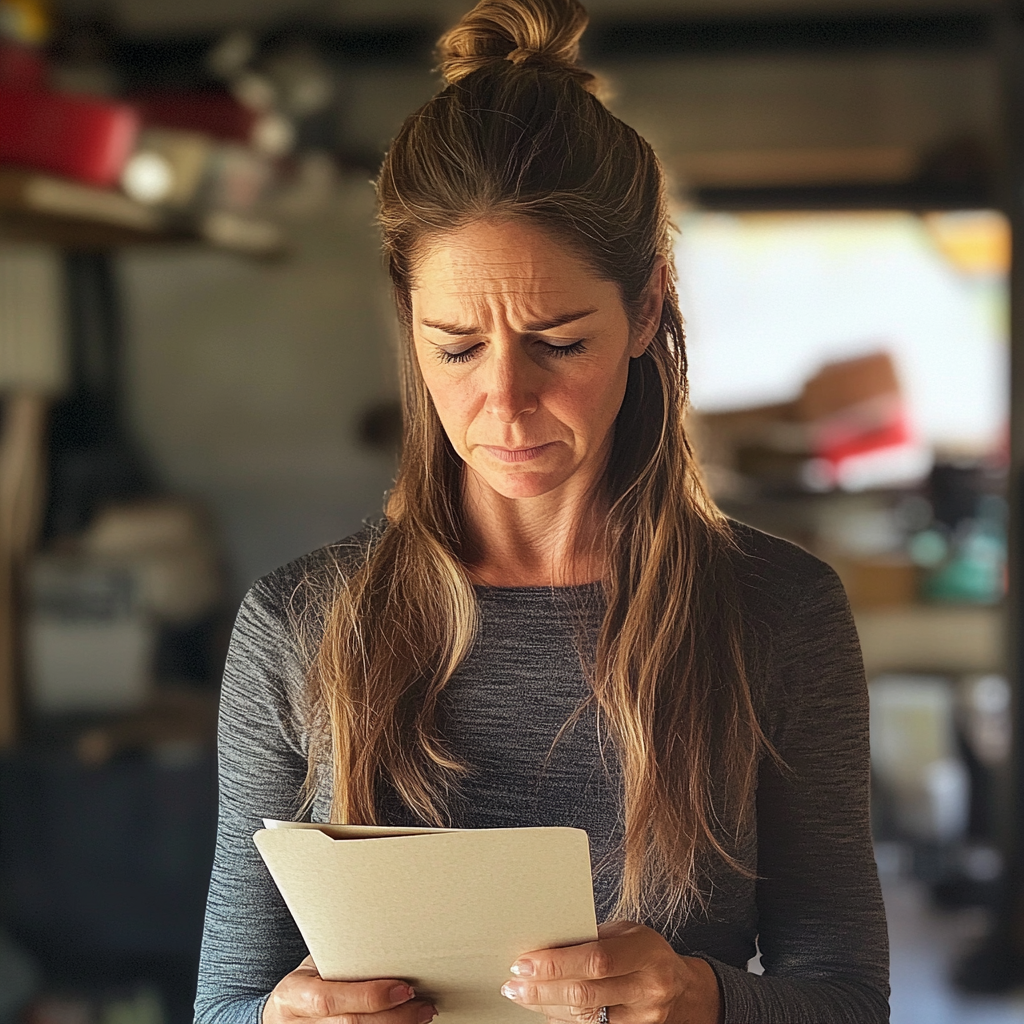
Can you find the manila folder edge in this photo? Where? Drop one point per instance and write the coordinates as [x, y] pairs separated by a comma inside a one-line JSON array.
[[446, 910]]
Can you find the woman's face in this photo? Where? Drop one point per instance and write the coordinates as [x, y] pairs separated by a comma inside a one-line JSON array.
[[524, 351]]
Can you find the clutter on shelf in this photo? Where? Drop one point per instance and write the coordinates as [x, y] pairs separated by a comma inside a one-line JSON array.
[[840, 469], [848, 428], [940, 752], [110, 589], [195, 161], [96, 605], [138, 1004]]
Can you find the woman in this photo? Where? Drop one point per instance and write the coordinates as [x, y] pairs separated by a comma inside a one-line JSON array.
[[556, 626]]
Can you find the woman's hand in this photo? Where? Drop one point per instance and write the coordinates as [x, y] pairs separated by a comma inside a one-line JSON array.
[[631, 970], [304, 996]]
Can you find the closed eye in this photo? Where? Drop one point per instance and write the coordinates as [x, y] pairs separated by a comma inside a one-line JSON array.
[[456, 357], [561, 351], [558, 351]]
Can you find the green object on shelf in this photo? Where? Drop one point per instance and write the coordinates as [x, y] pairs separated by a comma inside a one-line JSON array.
[[976, 571], [928, 549]]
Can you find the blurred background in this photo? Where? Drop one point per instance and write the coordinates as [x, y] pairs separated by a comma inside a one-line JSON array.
[[196, 385]]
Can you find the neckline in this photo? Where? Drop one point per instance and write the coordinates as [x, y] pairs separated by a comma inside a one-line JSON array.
[[490, 588]]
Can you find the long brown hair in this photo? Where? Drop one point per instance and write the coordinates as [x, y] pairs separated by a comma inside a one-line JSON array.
[[518, 132]]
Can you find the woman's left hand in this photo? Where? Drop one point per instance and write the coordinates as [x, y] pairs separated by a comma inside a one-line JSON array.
[[630, 969]]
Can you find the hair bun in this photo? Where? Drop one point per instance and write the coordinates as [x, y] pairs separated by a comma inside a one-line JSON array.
[[517, 31]]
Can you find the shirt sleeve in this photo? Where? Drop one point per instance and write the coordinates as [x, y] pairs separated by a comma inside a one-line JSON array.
[[821, 922], [249, 939]]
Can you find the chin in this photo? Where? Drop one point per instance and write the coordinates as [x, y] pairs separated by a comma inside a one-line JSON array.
[[523, 485]]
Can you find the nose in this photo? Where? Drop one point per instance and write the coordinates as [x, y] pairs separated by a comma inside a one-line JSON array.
[[510, 391]]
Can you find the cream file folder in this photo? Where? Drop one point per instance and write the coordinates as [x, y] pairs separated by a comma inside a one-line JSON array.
[[447, 910]]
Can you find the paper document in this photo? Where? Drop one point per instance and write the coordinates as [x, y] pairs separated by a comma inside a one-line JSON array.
[[447, 910]]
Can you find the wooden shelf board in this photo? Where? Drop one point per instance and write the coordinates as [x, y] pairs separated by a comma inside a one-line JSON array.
[[23, 226], [38, 208], [948, 639]]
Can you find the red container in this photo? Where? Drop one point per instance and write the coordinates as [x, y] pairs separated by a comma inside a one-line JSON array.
[[21, 67], [217, 114], [76, 137]]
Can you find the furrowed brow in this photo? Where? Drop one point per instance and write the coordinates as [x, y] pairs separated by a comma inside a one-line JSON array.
[[557, 321], [451, 328], [459, 331]]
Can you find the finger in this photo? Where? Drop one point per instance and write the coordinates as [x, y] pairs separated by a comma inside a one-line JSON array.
[[417, 1011], [587, 960], [311, 996], [568, 1015], [580, 995], [605, 958]]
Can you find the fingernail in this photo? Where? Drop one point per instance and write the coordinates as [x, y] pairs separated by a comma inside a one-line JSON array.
[[427, 1013], [401, 994], [509, 992], [522, 969]]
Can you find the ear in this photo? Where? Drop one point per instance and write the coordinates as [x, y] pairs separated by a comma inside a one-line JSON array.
[[650, 312]]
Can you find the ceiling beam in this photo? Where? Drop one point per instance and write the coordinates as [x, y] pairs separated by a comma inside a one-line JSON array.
[[178, 61], [670, 37]]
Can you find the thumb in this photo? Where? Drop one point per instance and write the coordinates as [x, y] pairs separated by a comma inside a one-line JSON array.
[[611, 929]]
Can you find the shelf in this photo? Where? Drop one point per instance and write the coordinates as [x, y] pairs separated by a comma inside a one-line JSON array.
[[38, 208], [945, 639]]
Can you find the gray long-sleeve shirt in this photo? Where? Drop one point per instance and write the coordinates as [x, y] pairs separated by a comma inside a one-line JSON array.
[[814, 908]]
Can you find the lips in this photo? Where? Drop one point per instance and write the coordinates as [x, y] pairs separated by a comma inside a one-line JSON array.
[[518, 454]]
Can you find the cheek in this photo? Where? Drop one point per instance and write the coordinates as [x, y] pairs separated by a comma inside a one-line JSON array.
[[453, 399], [591, 399]]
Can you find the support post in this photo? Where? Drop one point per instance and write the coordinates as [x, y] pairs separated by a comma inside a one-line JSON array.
[[998, 963]]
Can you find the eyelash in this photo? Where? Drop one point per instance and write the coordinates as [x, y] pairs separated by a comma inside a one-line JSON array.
[[558, 351]]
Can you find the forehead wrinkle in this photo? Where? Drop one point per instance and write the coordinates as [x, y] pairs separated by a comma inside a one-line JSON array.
[[473, 310], [492, 260], [476, 293], [483, 279], [496, 252], [474, 278], [467, 280]]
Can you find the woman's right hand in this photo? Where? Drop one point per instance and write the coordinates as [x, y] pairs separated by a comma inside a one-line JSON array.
[[304, 996]]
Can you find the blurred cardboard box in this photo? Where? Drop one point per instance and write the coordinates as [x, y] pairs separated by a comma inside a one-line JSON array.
[[846, 411], [884, 582], [95, 608], [89, 666], [89, 642], [840, 386]]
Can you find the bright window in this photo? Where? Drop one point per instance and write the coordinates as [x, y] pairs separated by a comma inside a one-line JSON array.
[[769, 298]]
